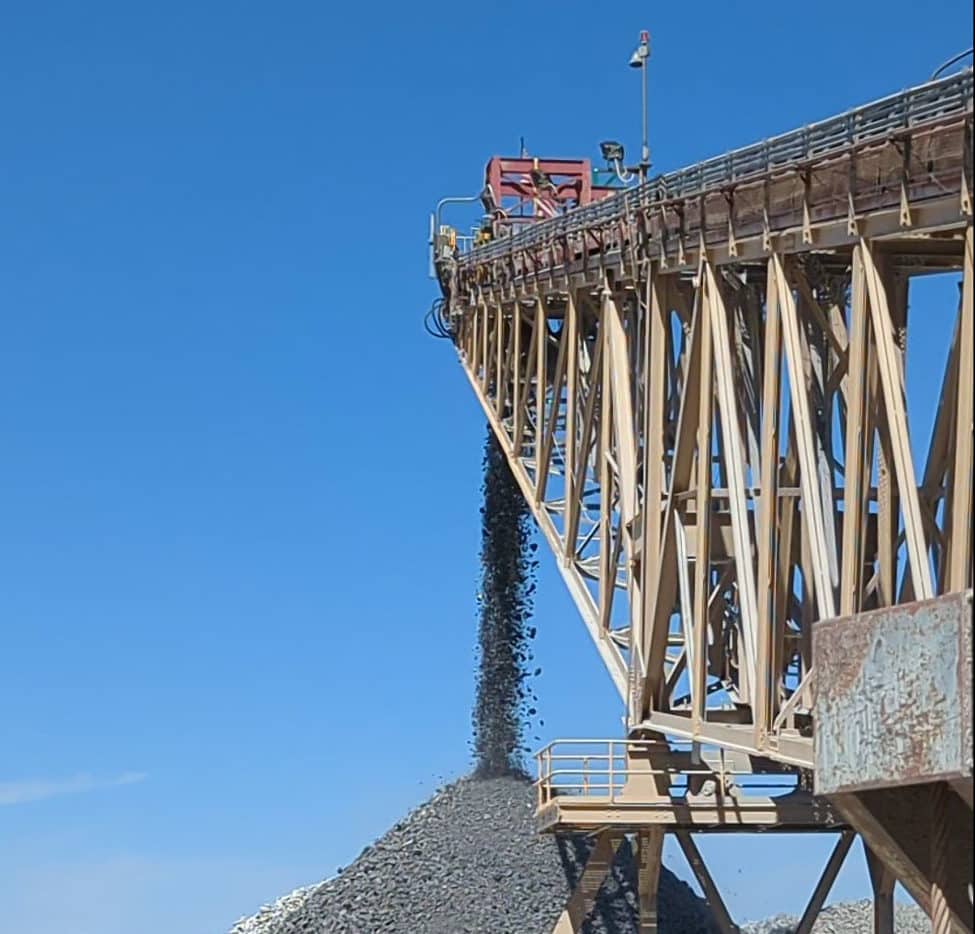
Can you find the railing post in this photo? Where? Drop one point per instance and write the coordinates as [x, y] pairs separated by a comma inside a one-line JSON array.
[[548, 773], [538, 778]]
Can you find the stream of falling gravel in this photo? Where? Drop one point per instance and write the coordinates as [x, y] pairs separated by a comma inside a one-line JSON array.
[[504, 703]]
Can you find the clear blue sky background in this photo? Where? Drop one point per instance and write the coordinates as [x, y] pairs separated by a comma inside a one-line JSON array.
[[238, 483]]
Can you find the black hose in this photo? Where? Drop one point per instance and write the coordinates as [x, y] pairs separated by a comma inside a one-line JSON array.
[[436, 322], [951, 61]]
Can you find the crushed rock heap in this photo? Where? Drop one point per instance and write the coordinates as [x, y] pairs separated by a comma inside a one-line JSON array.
[[846, 918], [469, 861]]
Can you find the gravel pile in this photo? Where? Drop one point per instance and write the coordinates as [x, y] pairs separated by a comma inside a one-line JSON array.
[[469, 862], [847, 918]]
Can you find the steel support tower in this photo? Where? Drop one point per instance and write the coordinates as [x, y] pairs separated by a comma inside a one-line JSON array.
[[699, 384]]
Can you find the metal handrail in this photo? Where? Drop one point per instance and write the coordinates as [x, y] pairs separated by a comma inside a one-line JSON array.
[[604, 773], [926, 103]]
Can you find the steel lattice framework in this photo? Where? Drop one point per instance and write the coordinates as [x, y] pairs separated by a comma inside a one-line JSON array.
[[700, 386], [762, 320]]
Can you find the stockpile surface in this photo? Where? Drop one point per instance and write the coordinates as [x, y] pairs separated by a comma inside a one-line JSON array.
[[468, 861], [846, 918]]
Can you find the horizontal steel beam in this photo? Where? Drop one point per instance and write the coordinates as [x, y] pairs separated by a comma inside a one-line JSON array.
[[932, 102]]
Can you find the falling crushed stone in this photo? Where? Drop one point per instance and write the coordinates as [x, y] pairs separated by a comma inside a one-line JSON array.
[[504, 702]]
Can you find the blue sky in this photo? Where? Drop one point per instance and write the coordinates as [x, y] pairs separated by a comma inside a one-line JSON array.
[[238, 483]]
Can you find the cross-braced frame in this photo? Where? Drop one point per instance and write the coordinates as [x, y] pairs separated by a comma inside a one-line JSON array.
[[704, 404]]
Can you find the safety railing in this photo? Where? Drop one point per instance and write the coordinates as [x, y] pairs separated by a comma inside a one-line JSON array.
[[601, 769], [927, 103]]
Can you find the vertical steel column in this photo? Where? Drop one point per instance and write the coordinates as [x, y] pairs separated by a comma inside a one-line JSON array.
[[940, 912], [882, 881], [650, 843]]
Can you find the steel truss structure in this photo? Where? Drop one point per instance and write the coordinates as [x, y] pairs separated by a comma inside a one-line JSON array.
[[700, 387]]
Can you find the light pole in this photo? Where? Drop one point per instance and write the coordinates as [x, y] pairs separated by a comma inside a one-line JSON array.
[[639, 60]]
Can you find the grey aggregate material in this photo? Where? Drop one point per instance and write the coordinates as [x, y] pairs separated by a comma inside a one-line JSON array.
[[846, 918], [505, 704], [469, 861]]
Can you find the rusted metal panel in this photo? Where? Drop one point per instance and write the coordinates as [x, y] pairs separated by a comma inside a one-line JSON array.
[[893, 697]]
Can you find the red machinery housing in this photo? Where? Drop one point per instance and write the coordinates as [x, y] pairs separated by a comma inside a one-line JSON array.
[[527, 189]]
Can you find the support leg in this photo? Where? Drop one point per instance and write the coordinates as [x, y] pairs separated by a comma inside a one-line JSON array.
[[882, 880], [583, 896], [940, 913], [650, 843], [826, 881], [711, 893]]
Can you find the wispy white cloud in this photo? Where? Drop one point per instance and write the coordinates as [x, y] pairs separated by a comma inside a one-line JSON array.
[[41, 789], [104, 892]]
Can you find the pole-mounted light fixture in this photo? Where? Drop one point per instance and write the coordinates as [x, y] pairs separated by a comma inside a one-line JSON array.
[[612, 151], [639, 59]]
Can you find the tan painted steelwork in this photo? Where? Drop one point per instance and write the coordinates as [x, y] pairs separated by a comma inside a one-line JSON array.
[[785, 363], [703, 398], [584, 786]]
